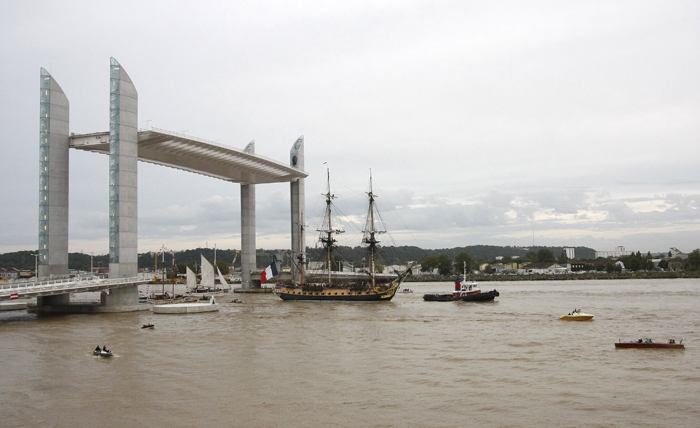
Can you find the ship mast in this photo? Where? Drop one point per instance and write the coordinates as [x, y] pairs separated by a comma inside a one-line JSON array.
[[327, 234], [370, 232]]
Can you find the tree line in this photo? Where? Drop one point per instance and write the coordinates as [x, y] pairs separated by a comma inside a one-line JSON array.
[[447, 261]]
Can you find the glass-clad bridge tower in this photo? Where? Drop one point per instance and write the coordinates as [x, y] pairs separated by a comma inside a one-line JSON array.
[[54, 143]]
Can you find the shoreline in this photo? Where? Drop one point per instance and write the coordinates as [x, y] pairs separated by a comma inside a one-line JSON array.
[[557, 277]]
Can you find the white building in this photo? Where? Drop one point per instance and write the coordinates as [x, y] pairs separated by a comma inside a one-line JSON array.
[[619, 251]]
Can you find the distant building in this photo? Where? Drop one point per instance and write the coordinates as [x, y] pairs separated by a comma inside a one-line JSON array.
[[577, 265], [675, 252], [544, 268], [619, 252], [675, 266], [8, 274], [570, 253]]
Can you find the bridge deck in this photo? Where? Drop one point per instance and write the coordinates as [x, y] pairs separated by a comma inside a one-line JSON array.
[[209, 158], [63, 286]]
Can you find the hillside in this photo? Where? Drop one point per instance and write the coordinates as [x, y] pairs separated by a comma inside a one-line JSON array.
[[24, 260]]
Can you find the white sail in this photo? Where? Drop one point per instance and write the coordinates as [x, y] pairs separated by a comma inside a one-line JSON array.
[[191, 279], [222, 280], [207, 274]]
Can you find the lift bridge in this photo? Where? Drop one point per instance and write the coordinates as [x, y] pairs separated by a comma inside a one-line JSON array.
[[126, 145]]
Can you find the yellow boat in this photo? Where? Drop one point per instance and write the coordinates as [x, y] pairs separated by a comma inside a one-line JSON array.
[[577, 315]]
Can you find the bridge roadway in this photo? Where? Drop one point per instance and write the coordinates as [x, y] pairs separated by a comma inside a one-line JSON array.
[[63, 286]]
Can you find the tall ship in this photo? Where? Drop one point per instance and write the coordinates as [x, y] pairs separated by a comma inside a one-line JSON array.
[[327, 285]]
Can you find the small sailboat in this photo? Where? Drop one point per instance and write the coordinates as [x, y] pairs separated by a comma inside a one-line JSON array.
[[206, 287]]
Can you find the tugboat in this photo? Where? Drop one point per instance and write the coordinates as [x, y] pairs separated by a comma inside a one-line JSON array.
[[466, 290], [361, 289]]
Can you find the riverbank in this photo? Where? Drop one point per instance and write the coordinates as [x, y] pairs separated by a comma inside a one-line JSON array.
[[559, 277]]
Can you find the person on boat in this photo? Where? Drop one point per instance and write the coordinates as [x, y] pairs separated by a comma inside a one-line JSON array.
[[98, 349], [104, 348]]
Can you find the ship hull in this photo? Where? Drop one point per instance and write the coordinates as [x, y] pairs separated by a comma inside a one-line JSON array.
[[649, 345], [337, 295], [481, 297]]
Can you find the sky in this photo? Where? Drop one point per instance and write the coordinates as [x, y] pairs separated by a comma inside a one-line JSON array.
[[514, 123]]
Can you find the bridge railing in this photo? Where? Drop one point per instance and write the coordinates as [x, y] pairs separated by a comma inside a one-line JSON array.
[[58, 284]]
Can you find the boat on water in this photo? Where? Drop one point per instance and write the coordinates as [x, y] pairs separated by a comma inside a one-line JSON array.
[[102, 352], [576, 315], [187, 308], [148, 326], [364, 288], [206, 287], [648, 344], [406, 291], [466, 290]]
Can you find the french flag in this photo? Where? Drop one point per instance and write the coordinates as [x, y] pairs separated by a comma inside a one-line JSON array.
[[268, 273]]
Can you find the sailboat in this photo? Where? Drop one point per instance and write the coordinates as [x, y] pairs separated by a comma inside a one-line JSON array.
[[206, 286], [360, 289]]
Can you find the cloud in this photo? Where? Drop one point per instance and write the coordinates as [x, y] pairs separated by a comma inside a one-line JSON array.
[[481, 122]]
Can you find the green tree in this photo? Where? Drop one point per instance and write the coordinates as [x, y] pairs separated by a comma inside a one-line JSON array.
[[610, 267], [223, 267], [563, 259], [693, 261], [181, 268], [444, 264], [378, 266], [545, 255], [429, 264], [460, 261], [530, 257]]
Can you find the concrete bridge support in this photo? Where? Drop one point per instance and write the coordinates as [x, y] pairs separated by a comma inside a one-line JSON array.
[[123, 185], [298, 206], [54, 143], [248, 258], [123, 173]]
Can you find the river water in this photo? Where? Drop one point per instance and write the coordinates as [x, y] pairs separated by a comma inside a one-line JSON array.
[[405, 363]]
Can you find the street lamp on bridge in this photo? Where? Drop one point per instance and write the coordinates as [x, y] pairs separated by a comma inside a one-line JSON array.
[[36, 266]]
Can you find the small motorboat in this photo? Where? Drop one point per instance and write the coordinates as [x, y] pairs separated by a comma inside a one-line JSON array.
[[406, 290], [148, 326], [101, 352], [648, 343], [577, 315], [236, 301]]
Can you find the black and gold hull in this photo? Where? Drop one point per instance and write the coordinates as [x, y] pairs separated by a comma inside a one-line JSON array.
[[299, 293]]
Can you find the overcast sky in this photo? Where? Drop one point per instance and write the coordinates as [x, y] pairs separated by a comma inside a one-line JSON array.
[[499, 123]]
